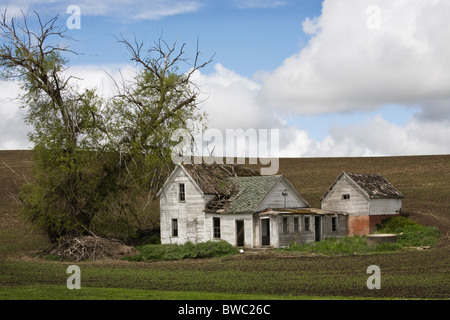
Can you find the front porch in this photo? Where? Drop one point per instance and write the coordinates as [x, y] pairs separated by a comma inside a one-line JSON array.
[[274, 228]]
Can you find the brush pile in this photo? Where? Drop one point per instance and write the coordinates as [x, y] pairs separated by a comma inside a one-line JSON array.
[[92, 248]]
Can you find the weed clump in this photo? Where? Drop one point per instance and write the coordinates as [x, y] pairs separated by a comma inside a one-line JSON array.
[[209, 249], [410, 233]]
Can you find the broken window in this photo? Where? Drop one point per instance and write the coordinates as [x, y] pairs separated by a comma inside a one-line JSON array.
[[174, 227], [216, 228], [346, 196], [181, 192]]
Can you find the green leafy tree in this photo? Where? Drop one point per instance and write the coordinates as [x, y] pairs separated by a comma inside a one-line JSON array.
[[97, 163], [59, 197]]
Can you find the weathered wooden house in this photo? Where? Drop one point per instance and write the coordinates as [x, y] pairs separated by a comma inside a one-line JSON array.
[[367, 198], [232, 203]]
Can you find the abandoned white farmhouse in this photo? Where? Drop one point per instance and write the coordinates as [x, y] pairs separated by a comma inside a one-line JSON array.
[[233, 203]]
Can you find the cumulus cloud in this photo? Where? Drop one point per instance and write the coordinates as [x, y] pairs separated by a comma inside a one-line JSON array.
[[231, 101], [366, 53], [13, 130]]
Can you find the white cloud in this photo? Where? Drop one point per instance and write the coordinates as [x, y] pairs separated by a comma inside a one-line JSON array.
[[374, 137], [353, 63], [261, 4], [13, 130], [231, 101], [104, 78], [124, 10]]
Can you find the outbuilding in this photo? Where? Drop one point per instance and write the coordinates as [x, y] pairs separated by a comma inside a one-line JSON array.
[[368, 199]]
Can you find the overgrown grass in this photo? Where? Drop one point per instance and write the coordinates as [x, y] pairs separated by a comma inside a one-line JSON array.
[[409, 234], [209, 249]]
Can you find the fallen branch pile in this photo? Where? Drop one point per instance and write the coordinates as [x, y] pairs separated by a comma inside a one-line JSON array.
[[92, 248]]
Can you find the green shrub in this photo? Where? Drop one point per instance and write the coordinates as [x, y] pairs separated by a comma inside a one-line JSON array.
[[410, 233], [396, 224], [188, 250]]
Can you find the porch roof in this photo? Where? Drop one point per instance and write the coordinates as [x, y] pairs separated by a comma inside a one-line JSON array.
[[300, 211]]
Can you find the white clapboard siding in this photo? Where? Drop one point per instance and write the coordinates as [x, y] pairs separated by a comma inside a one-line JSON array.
[[275, 198], [356, 205], [385, 206], [228, 228], [189, 212]]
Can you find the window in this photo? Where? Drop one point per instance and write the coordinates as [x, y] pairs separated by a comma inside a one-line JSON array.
[[333, 223], [307, 223], [181, 192], [346, 196], [216, 227], [296, 224], [285, 225], [174, 227]]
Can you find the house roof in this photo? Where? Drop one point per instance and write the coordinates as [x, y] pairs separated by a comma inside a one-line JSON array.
[[375, 186], [300, 211], [235, 188], [214, 179], [252, 190]]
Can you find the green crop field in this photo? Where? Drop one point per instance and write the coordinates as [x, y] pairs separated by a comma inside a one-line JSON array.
[[407, 274]]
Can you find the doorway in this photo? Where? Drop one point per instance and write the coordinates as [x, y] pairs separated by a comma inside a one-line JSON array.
[[265, 232], [240, 238], [317, 228]]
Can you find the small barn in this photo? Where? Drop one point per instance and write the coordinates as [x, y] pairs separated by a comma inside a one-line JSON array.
[[368, 199], [203, 202]]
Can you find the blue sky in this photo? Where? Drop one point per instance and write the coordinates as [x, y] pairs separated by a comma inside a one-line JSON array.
[[337, 77], [245, 39]]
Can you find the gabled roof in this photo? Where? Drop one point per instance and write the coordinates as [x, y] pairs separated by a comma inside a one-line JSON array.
[[251, 193], [235, 188], [374, 186], [252, 190]]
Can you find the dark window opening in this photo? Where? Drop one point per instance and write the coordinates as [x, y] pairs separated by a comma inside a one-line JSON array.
[[333, 224], [174, 227], [296, 224], [307, 224], [216, 227], [285, 225], [181, 193], [346, 197]]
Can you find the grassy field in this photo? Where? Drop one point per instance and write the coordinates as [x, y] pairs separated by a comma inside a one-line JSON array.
[[412, 274]]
